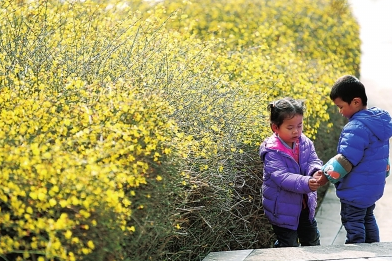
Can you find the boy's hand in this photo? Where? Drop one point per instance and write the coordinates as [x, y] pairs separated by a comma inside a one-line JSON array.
[[313, 184], [321, 178]]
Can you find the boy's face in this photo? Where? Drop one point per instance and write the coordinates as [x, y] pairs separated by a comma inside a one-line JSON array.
[[348, 110]]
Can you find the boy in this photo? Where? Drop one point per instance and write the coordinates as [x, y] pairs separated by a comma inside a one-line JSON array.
[[364, 142]]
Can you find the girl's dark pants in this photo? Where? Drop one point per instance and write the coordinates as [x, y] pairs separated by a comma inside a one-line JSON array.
[[307, 233], [360, 224]]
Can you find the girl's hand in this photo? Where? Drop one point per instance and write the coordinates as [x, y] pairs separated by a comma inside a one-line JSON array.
[[313, 184]]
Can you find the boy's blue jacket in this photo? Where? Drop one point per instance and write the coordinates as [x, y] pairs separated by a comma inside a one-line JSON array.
[[364, 141]]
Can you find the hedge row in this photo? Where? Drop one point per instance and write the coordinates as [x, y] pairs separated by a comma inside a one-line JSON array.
[[130, 129]]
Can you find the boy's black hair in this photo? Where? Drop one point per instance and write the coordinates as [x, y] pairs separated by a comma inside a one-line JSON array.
[[347, 88], [285, 108]]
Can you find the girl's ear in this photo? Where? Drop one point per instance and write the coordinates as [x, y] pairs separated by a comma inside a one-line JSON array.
[[274, 127]]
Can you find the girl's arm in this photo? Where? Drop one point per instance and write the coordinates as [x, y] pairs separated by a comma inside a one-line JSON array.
[[314, 162], [276, 169]]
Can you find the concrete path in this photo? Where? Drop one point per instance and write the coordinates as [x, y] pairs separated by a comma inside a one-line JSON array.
[[375, 20], [356, 252]]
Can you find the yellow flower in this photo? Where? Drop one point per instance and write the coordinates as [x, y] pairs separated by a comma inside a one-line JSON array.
[[52, 202], [68, 234], [90, 244]]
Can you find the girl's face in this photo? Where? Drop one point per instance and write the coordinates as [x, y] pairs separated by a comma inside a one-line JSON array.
[[290, 130]]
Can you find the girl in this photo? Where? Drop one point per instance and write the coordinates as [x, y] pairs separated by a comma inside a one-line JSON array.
[[289, 189]]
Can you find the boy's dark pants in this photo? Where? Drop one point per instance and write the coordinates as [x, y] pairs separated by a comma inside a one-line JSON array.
[[360, 224], [307, 233]]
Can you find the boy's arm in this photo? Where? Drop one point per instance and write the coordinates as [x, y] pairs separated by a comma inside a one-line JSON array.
[[336, 168], [353, 141]]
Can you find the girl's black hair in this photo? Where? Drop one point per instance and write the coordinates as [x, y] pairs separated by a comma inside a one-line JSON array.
[[285, 108]]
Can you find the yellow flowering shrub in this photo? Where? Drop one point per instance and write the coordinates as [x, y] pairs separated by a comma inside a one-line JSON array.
[[67, 166], [276, 48], [130, 129]]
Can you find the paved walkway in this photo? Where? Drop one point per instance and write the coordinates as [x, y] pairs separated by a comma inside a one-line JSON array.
[[375, 20], [358, 252]]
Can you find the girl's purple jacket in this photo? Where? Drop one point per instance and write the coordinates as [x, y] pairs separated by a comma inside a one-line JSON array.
[[285, 181]]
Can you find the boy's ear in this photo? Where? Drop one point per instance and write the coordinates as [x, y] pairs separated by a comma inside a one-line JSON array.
[[357, 101]]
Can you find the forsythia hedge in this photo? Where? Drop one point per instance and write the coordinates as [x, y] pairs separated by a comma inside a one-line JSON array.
[[129, 129]]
